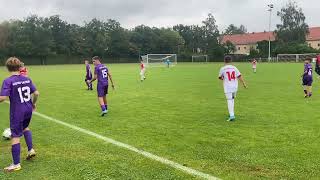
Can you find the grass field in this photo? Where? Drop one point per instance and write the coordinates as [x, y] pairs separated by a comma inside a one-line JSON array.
[[178, 114]]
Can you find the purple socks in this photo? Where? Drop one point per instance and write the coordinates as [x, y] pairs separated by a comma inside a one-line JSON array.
[[15, 150], [103, 107], [28, 138]]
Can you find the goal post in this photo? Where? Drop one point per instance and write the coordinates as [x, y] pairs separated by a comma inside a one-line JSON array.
[[158, 60], [294, 57], [199, 58]]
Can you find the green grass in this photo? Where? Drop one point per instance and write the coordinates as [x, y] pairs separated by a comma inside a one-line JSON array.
[[179, 114]]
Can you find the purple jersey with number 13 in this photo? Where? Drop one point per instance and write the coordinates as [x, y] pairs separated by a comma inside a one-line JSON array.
[[102, 72], [19, 89]]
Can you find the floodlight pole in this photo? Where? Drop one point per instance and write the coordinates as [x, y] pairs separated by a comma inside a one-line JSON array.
[[270, 10]]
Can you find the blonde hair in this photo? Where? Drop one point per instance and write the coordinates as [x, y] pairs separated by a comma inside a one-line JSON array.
[[13, 64]]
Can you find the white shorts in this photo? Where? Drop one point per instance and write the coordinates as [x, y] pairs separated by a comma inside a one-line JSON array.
[[231, 96], [254, 67], [142, 72]]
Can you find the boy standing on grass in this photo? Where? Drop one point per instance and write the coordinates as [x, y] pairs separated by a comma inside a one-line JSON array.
[[254, 65], [23, 97], [23, 70], [88, 75], [229, 74], [142, 71], [317, 69], [307, 78], [102, 74]]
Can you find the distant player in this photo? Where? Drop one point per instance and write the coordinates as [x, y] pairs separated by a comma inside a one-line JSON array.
[[88, 75], [23, 97], [254, 65], [102, 74], [307, 78], [142, 71], [229, 74], [23, 70], [317, 69], [167, 62]]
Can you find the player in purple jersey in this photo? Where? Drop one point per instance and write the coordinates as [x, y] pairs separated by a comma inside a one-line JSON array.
[[88, 75], [102, 74], [23, 97], [307, 78]]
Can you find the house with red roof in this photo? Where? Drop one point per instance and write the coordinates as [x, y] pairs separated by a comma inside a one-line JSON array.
[[245, 42]]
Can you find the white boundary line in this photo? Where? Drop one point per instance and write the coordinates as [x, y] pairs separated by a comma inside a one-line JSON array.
[[131, 148]]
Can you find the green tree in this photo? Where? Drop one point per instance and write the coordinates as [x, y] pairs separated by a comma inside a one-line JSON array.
[[232, 29], [293, 27], [229, 47]]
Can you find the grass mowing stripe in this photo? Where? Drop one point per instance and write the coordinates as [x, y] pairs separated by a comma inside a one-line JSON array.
[[131, 148]]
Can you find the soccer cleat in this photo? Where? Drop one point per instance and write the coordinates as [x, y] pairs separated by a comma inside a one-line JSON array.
[[231, 118], [13, 168], [31, 154], [104, 113], [306, 96]]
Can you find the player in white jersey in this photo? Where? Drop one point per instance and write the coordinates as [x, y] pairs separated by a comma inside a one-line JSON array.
[[142, 71], [229, 74]]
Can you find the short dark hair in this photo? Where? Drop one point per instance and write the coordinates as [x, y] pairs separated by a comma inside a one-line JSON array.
[[227, 59], [309, 59], [96, 58], [13, 64]]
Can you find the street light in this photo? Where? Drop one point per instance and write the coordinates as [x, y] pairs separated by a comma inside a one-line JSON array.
[[270, 10]]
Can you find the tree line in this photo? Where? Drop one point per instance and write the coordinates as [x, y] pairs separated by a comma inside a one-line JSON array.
[[43, 37]]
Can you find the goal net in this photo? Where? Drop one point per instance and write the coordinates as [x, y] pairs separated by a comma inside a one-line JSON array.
[[158, 60], [295, 57], [200, 58]]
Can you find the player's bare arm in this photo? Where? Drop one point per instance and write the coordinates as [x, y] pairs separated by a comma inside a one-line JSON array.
[[35, 97], [3, 98], [243, 82], [94, 78], [110, 77]]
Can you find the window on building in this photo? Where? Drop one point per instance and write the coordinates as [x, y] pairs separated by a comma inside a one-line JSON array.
[[239, 48], [245, 47], [319, 45]]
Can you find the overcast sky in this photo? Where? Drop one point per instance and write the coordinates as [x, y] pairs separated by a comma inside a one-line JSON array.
[[160, 13]]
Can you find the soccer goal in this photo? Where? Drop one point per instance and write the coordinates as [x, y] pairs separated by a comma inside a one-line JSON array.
[[294, 57], [200, 58], [158, 60]]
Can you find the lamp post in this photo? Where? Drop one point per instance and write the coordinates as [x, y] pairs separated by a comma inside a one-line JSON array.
[[270, 10]]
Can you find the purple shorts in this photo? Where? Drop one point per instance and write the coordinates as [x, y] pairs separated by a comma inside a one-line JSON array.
[[102, 89], [19, 122], [307, 81]]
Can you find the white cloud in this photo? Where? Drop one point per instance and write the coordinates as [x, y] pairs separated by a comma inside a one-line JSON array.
[[252, 13]]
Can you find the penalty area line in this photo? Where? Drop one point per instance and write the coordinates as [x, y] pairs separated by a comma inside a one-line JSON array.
[[146, 154]]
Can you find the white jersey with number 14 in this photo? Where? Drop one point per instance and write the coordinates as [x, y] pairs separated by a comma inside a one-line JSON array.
[[230, 75]]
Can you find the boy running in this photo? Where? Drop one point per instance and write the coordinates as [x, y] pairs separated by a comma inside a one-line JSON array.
[[317, 69], [102, 74], [307, 78], [23, 70], [88, 75], [229, 74], [23, 97], [142, 71], [254, 65]]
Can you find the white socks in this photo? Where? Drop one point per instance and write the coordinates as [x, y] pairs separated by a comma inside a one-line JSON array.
[[231, 107]]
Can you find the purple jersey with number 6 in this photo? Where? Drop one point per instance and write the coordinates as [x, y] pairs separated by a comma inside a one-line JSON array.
[[19, 89]]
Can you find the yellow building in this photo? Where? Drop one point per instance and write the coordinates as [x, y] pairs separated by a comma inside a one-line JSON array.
[[245, 42]]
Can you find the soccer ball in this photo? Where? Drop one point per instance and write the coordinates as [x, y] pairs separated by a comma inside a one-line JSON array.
[[6, 134]]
